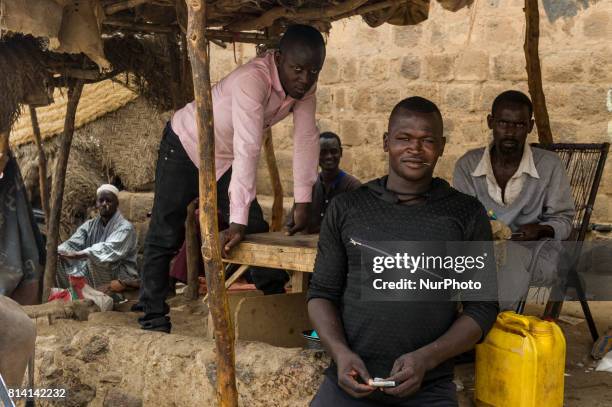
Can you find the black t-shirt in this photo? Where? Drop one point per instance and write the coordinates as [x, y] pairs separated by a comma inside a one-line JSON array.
[[322, 196], [379, 332]]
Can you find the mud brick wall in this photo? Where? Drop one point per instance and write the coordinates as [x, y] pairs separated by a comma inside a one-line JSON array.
[[461, 61]]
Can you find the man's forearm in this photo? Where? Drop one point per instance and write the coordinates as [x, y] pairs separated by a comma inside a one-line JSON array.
[[326, 320], [461, 337]]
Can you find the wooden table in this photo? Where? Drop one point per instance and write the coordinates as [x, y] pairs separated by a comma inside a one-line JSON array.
[[274, 249]]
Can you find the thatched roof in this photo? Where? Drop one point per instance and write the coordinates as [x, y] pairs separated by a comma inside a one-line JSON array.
[[97, 100], [41, 41]]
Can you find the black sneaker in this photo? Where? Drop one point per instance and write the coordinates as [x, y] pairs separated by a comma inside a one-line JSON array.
[[156, 323]]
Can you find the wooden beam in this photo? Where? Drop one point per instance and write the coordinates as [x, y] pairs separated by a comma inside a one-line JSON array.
[[534, 72], [249, 38], [375, 7], [42, 164], [124, 5], [227, 395], [4, 147], [59, 179], [237, 274], [269, 17], [193, 256], [211, 34], [131, 26], [277, 206]]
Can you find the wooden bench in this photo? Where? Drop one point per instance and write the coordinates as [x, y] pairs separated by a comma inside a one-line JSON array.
[[274, 249]]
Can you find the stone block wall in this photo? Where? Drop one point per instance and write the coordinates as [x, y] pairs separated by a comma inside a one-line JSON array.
[[461, 61]]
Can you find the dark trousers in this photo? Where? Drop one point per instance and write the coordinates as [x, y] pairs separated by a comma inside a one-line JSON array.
[[176, 185], [439, 394]]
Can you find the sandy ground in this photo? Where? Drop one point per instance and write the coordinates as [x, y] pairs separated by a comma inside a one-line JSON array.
[[82, 354]]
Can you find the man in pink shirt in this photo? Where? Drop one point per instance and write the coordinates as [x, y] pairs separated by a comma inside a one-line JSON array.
[[249, 100]]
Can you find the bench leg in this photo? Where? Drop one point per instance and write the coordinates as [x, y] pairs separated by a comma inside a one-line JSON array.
[[299, 282]]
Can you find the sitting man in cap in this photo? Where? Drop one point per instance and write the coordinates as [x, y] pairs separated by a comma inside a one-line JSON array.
[[331, 181], [103, 249], [524, 187]]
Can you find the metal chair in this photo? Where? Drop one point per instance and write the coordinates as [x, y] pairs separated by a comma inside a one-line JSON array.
[[584, 164]]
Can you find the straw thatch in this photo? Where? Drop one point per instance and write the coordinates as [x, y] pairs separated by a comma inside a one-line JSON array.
[[128, 140], [119, 147], [23, 78], [96, 100], [83, 176], [146, 58], [146, 38]]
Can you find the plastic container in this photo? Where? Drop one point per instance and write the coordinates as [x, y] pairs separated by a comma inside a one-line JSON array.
[[521, 363]]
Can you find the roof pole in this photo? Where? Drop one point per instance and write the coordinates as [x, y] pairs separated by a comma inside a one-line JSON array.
[[42, 164], [277, 187], [534, 72], [218, 305], [59, 179]]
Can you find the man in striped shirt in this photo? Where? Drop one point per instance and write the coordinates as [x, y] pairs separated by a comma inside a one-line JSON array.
[[103, 249]]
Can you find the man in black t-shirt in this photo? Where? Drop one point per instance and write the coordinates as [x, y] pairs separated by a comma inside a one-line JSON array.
[[411, 343], [332, 181]]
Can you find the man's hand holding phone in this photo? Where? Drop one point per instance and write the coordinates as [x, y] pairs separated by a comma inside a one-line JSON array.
[[407, 373], [353, 374]]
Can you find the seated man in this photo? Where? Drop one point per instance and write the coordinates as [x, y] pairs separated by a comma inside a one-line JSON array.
[[331, 181], [409, 342], [103, 249], [526, 188]]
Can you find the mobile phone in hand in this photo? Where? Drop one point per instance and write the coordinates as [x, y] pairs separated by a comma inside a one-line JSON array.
[[378, 382]]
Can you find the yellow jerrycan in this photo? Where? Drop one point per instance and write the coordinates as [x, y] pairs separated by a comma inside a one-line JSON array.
[[521, 363]]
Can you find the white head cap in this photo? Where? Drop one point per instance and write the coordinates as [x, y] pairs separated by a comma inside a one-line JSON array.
[[108, 187]]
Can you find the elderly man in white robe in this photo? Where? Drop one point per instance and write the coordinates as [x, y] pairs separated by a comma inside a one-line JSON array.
[[103, 249]]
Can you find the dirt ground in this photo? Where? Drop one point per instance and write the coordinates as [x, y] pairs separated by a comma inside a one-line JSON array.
[[108, 361]]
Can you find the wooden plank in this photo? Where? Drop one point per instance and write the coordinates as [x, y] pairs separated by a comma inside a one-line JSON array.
[[280, 257], [274, 319], [234, 298], [280, 239], [299, 282], [276, 250]]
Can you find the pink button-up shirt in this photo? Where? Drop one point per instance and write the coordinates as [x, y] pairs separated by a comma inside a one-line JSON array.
[[245, 103]]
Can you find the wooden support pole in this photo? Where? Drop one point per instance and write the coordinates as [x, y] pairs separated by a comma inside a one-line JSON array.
[[277, 206], [218, 304], [42, 164], [534, 71], [4, 147], [59, 179], [193, 256], [175, 70]]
